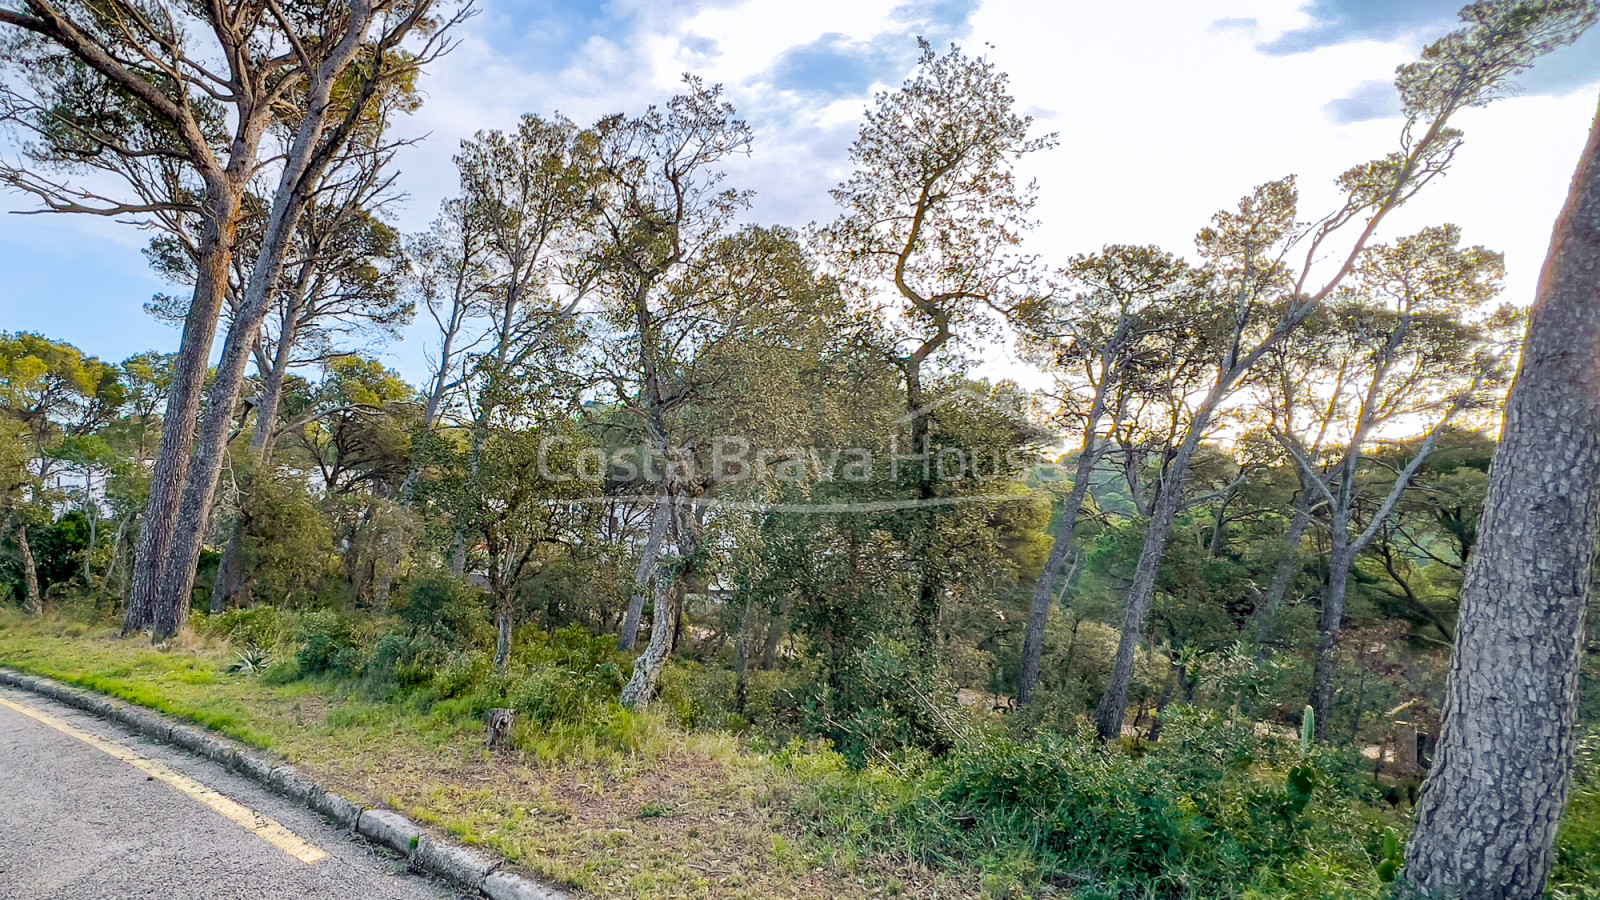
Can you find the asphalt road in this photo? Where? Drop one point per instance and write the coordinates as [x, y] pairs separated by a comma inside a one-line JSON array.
[[82, 817]]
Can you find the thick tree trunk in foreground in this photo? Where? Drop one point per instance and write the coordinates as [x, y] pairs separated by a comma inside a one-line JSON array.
[[1487, 819], [182, 408]]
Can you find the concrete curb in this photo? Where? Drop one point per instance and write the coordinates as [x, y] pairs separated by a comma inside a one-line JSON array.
[[463, 867]]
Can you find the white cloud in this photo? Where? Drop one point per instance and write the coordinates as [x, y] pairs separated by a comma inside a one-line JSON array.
[[1165, 115]]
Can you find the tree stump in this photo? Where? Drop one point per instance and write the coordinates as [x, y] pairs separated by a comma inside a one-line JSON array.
[[498, 728]]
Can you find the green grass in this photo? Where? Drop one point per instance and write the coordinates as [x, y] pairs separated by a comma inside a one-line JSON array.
[[637, 808]]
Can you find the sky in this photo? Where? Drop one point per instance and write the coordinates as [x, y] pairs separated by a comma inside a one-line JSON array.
[[1166, 111]]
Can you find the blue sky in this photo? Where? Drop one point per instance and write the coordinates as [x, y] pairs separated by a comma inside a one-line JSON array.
[[1165, 115]]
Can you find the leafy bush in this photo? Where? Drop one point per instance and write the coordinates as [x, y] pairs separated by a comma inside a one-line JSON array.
[[263, 626], [444, 607], [328, 645], [882, 702]]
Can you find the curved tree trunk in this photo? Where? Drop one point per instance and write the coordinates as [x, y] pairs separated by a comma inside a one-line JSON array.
[[641, 687], [670, 594], [1487, 820]]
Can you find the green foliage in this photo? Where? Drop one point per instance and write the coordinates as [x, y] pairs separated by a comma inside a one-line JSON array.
[[885, 702], [328, 644], [442, 607], [1209, 811]]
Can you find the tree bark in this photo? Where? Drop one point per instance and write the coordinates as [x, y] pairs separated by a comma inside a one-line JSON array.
[[302, 169], [1487, 819], [642, 577], [182, 409], [30, 573], [1330, 628], [1044, 590], [502, 628], [670, 595]]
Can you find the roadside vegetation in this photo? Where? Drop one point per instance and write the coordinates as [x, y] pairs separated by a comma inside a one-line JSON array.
[[691, 799]]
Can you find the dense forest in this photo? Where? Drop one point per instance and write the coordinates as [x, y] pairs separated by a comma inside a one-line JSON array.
[[1175, 619]]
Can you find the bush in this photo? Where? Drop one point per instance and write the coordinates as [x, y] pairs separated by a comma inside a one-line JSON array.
[[443, 607], [883, 702], [258, 626], [328, 645]]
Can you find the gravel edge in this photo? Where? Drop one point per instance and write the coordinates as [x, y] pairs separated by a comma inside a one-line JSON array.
[[464, 867]]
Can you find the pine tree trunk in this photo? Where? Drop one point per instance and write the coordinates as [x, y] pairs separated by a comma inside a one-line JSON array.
[[30, 574], [1330, 629], [1487, 819], [182, 409], [1113, 708], [302, 168], [1044, 590], [226, 585]]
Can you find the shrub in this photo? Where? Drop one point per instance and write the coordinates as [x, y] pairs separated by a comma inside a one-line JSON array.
[[444, 607], [883, 701], [328, 645], [259, 626]]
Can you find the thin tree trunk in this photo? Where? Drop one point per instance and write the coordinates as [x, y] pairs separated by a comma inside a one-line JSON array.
[[1044, 590], [30, 574], [1330, 628], [228, 578], [272, 388], [659, 515], [1487, 819], [93, 513], [502, 626], [1283, 576], [741, 655], [775, 629], [1113, 708]]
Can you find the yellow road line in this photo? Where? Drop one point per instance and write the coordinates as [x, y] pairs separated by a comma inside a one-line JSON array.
[[261, 826]]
